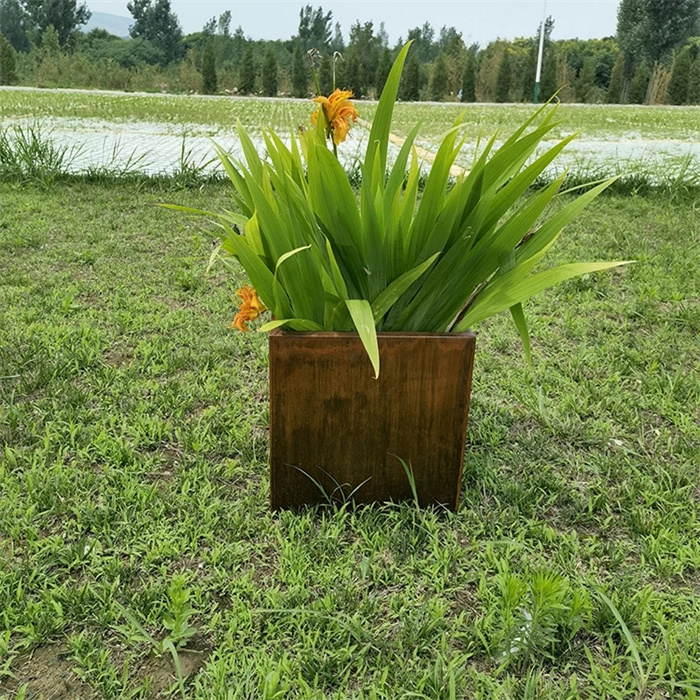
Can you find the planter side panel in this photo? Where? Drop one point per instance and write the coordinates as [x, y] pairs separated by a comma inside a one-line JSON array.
[[329, 416]]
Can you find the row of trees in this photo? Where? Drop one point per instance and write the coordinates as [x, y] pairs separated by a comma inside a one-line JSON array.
[[654, 58]]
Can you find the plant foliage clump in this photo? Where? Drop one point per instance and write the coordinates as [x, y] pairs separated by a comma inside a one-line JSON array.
[[396, 261]]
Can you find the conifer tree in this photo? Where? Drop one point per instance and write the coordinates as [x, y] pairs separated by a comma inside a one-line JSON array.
[[614, 94], [469, 80], [548, 82], [8, 63], [300, 73], [438, 86], [269, 72], [503, 79], [383, 69], [246, 83], [410, 81], [640, 84], [209, 79], [325, 74], [693, 97], [680, 78]]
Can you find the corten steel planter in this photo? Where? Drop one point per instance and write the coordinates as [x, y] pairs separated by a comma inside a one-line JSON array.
[[331, 420]]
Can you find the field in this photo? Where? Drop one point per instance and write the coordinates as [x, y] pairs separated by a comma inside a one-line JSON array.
[[150, 132], [138, 556]]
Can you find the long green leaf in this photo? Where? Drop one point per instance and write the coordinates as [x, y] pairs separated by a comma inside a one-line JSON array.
[[390, 295], [516, 311], [381, 124], [362, 317], [518, 293]]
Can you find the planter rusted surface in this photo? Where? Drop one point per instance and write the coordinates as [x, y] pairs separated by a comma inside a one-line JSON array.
[[332, 422]]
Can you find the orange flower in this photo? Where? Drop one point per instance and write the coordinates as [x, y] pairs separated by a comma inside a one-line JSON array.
[[339, 111], [251, 308]]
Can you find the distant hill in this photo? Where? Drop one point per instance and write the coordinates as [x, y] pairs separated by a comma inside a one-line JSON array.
[[114, 24]]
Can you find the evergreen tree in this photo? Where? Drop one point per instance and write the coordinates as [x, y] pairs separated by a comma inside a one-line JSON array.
[[410, 81], [614, 94], [469, 79], [8, 64], [314, 28], [351, 74], [640, 84], [548, 79], [503, 79], [154, 20], [246, 82], [300, 73], [13, 23], [363, 49], [383, 70], [585, 83], [325, 74], [438, 86], [693, 97], [337, 43], [269, 72], [209, 79], [680, 78]]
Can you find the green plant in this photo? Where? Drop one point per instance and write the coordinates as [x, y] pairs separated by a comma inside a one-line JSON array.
[[176, 620], [209, 78], [460, 253]]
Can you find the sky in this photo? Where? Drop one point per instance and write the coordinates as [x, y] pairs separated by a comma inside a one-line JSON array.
[[479, 20]]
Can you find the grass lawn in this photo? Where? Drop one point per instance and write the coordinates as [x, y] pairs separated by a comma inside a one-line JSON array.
[[133, 481]]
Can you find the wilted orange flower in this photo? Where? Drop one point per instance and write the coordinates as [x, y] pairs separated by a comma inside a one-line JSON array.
[[251, 308], [339, 111]]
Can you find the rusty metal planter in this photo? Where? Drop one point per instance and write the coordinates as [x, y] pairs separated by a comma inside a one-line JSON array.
[[332, 422]]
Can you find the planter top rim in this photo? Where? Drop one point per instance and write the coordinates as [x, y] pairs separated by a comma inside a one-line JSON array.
[[380, 334]]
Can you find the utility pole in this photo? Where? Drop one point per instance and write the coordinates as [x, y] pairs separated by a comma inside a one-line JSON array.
[[538, 74]]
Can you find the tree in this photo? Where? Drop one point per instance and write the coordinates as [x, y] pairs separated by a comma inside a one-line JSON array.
[[548, 81], [154, 20], [246, 82], [269, 72], [652, 29], [670, 23], [614, 94], [693, 97], [438, 85], [14, 22], [66, 16], [585, 83], [209, 79], [469, 79], [314, 28], [363, 57], [325, 74], [8, 63], [640, 84], [383, 70], [503, 79], [300, 73], [337, 43], [680, 78], [410, 81]]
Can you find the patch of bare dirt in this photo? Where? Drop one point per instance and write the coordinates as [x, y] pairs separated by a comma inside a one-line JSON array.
[[158, 672], [48, 674]]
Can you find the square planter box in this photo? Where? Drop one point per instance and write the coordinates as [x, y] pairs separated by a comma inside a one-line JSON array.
[[332, 422]]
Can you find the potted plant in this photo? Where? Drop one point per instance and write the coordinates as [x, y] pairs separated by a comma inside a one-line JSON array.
[[373, 293]]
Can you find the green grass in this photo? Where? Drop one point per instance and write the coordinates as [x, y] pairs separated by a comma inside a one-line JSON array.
[[134, 525], [212, 114]]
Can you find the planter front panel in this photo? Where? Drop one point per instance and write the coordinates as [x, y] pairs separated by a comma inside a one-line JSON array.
[[331, 420]]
